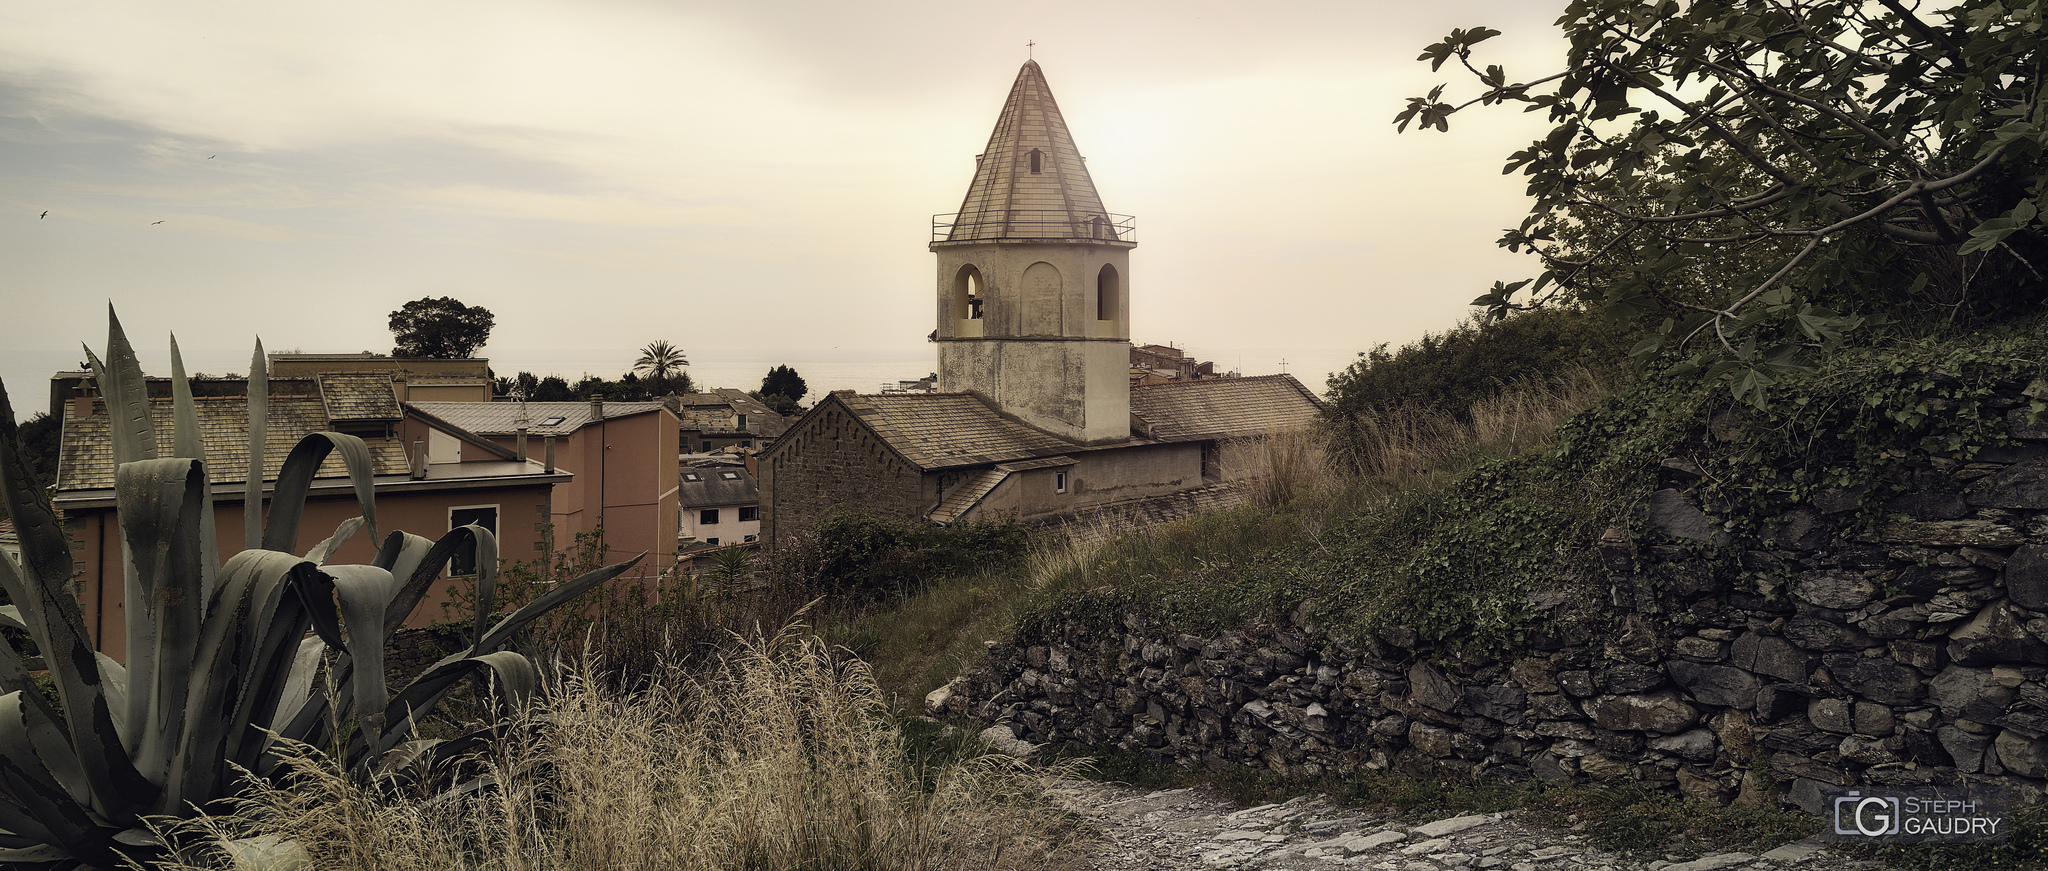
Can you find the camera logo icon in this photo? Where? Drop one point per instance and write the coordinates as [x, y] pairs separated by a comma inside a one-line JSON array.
[[1871, 816]]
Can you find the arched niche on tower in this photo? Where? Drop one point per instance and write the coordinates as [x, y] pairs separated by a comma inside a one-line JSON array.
[[1109, 301], [968, 303], [1042, 302]]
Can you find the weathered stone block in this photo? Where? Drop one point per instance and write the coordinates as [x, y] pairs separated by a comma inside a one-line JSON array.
[[2026, 577], [1622, 678], [1578, 682], [2021, 485], [1674, 515], [1865, 751], [1434, 741], [1813, 633], [1696, 745], [2021, 755], [1431, 688], [1830, 715], [1834, 588], [1554, 706], [1776, 657], [1876, 677], [1534, 675], [1994, 635], [1662, 712], [1722, 686], [1874, 719], [1969, 693], [1700, 649], [1502, 702], [1952, 533]]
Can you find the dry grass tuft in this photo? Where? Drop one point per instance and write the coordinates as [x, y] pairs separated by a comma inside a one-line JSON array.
[[779, 756], [1408, 445]]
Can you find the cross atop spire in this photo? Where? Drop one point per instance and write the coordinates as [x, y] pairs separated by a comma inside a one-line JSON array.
[[1030, 182]]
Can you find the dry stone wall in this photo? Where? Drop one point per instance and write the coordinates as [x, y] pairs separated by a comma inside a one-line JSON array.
[[1763, 670]]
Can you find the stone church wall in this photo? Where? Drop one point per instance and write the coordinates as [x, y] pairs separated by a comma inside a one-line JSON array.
[[1915, 655], [832, 462]]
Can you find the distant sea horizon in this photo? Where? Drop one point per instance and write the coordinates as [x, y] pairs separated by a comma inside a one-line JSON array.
[[26, 372]]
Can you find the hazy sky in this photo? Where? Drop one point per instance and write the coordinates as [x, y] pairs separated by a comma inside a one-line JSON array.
[[723, 175]]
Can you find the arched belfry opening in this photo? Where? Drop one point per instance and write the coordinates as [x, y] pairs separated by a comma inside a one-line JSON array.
[[1037, 161], [1109, 294], [970, 299]]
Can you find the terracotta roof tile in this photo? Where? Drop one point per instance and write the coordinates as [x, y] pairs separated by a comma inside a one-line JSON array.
[[359, 396], [85, 460], [940, 430], [1224, 407], [503, 418]]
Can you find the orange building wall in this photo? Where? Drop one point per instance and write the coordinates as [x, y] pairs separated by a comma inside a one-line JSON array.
[[97, 545], [626, 477]]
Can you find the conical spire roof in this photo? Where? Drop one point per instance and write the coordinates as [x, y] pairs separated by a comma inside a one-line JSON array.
[[1030, 182]]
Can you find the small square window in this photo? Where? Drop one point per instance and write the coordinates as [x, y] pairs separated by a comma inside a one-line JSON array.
[[707, 517], [691, 476], [751, 538], [1059, 482], [730, 476], [749, 514], [710, 541], [553, 421]]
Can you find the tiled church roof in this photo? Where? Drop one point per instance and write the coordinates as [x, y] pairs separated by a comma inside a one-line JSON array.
[[1008, 200], [1222, 408]]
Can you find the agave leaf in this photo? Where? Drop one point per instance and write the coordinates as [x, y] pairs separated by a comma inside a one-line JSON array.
[[364, 592], [272, 646], [327, 546], [114, 683], [288, 501], [39, 853], [298, 695], [126, 393], [516, 679], [10, 616], [161, 502], [31, 787], [502, 632], [420, 562], [486, 575], [259, 433], [187, 440], [407, 557], [41, 592]]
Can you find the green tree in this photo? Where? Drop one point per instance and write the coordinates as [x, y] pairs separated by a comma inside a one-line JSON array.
[[1841, 159], [663, 363], [440, 327], [783, 382], [39, 444]]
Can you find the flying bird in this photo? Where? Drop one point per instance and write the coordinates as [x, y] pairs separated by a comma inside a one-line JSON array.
[[45, 214], [154, 223], [211, 156]]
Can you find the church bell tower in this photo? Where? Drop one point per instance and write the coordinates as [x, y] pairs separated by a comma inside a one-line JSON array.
[[1034, 277]]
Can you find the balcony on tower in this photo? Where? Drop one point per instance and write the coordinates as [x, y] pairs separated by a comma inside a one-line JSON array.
[[1034, 225]]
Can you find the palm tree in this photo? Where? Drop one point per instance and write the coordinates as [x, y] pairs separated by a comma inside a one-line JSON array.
[[660, 361]]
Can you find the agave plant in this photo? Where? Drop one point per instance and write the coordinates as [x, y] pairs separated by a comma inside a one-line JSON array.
[[227, 659]]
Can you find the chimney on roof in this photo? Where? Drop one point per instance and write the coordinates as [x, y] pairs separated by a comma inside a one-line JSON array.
[[519, 452], [547, 443], [419, 459], [596, 408]]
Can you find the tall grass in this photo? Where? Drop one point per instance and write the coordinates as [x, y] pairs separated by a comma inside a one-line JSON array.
[[1404, 445], [780, 756]]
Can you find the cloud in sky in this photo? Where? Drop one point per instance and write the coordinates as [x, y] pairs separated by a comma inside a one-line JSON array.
[[602, 174]]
